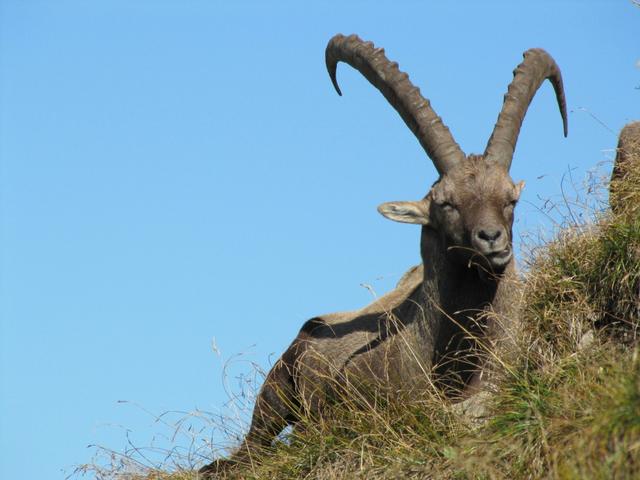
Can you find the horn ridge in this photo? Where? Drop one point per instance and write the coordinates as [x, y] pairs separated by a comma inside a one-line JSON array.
[[536, 67], [404, 97]]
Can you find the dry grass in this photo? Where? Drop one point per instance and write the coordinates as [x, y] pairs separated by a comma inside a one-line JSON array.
[[567, 405]]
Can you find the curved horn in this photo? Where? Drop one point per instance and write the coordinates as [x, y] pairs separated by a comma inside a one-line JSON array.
[[396, 87], [536, 67]]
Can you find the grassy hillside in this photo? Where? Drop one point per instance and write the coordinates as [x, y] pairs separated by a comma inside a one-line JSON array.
[[566, 405]]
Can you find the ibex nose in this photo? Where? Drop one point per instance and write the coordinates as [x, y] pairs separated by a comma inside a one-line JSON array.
[[489, 235], [489, 240]]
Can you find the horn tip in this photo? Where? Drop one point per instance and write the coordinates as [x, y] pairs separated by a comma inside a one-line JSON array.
[[332, 67], [334, 81]]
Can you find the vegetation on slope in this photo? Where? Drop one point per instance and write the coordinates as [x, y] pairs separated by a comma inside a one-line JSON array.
[[566, 406]]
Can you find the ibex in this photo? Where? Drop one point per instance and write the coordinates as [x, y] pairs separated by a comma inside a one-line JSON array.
[[411, 338]]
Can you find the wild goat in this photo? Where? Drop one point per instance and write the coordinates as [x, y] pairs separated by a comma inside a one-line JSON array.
[[412, 338]]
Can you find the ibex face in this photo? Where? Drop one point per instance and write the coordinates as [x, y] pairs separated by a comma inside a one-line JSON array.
[[471, 208], [471, 205]]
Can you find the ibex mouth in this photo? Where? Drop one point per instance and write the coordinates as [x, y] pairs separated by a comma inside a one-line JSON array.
[[493, 264], [501, 258]]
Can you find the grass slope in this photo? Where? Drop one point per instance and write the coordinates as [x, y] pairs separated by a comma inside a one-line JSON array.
[[567, 405]]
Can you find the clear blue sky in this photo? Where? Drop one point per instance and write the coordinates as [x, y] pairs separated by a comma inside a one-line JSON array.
[[178, 171]]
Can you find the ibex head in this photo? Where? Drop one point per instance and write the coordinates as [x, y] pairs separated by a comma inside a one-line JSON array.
[[471, 205]]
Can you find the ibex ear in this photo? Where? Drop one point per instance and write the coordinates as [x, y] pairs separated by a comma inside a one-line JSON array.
[[406, 212], [519, 188]]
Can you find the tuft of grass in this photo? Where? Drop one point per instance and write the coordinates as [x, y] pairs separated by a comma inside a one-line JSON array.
[[588, 278], [408, 439]]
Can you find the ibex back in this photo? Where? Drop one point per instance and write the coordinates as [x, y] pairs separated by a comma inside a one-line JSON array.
[[427, 332]]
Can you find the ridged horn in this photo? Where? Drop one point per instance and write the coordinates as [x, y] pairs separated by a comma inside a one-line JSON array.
[[536, 67], [404, 97]]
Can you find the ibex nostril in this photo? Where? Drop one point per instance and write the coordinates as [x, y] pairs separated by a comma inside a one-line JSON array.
[[489, 235]]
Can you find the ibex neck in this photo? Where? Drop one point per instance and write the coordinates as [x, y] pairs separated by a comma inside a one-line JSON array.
[[460, 298]]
